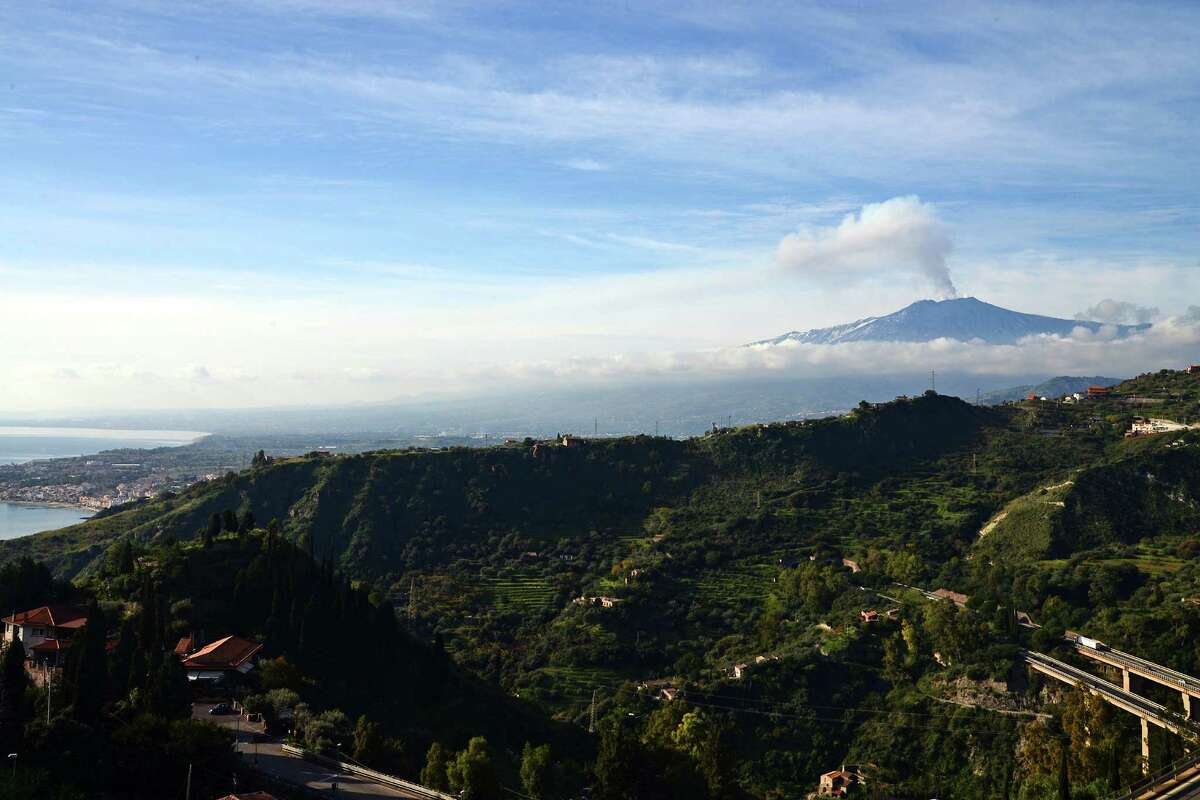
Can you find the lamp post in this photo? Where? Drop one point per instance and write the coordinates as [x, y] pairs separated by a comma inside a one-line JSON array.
[[13, 758]]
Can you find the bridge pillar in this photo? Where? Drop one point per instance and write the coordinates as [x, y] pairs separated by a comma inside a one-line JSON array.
[[1145, 746], [1126, 680], [1187, 705]]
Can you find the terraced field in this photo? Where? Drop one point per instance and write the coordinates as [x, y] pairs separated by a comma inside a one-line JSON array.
[[520, 593], [575, 684], [733, 586]]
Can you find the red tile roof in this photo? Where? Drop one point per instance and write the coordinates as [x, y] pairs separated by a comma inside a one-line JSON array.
[[185, 645], [51, 644], [228, 653], [249, 796], [52, 616]]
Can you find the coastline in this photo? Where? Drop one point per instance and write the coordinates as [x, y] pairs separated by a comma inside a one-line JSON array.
[[46, 504]]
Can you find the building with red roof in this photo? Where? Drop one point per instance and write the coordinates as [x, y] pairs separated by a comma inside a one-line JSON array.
[[185, 645], [224, 657], [45, 632]]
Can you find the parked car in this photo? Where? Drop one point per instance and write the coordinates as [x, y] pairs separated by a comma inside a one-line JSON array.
[[220, 708]]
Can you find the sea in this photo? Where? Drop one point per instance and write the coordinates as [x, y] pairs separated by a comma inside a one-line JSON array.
[[21, 444]]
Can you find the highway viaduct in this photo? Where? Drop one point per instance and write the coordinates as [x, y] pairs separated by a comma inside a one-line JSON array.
[[1147, 711], [1130, 665]]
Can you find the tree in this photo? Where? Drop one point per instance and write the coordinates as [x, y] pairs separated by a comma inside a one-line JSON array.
[[246, 522], [229, 521], [213, 530], [87, 668], [12, 691], [472, 773], [167, 692], [433, 775], [537, 774], [368, 741], [617, 759]]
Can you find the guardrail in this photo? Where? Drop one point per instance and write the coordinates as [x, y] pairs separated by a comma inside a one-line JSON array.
[[369, 774], [1167, 773]]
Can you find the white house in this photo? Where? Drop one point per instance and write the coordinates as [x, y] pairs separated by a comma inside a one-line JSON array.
[[45, 632]]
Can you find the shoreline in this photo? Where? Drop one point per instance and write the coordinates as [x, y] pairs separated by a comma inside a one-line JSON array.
[[47, 504]]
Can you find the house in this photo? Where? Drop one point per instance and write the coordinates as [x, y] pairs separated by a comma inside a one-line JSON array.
[[609, 602], [1098, 391], [668, 693], [851, 565], [958, 598], [1031, 396], [215, 662], [838, 782], [869, 617], [893, 613], [740, 671], [1193, 369], [45, 632]]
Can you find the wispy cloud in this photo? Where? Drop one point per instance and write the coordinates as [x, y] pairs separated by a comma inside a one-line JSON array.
[[585, 164]]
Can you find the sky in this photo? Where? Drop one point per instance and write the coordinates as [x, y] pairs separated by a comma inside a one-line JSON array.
[[229, 204]]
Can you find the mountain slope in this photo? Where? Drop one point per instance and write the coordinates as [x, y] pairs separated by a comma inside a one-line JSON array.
[[964, 318], [1052, 388]]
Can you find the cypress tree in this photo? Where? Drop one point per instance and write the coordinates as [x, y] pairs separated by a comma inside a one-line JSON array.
[[12, 693], [87, 669], [213, 530]]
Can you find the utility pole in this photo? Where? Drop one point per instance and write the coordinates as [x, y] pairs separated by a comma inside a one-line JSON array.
[[188, 793], [49, 692], [412, 599], [592, 721], [595, 426], [933, 381]]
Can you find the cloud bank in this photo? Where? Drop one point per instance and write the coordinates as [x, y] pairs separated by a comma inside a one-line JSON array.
[[1118, 312], [900, 235]]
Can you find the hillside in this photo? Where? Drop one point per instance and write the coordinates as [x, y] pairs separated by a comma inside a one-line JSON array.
[[562, 573], [1053, 388]]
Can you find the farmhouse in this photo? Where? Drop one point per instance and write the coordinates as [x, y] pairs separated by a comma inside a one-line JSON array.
[[220, 660], [839, 782], [45, 632], [958, 598]]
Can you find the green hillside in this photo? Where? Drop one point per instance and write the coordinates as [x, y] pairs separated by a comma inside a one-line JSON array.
[[565, 573]]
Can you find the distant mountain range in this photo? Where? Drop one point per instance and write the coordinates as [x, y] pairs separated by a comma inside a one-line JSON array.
[[1055, 387], [964, 318]]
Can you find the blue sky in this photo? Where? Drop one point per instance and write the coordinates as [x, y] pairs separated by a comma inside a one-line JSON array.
[[243, 203]]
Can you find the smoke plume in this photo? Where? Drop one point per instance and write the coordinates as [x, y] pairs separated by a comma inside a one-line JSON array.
[[898, 235]]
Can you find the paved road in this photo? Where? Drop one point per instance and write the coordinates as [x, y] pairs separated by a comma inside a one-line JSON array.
[[267, 756], [1189, 789], [1165, 674]]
